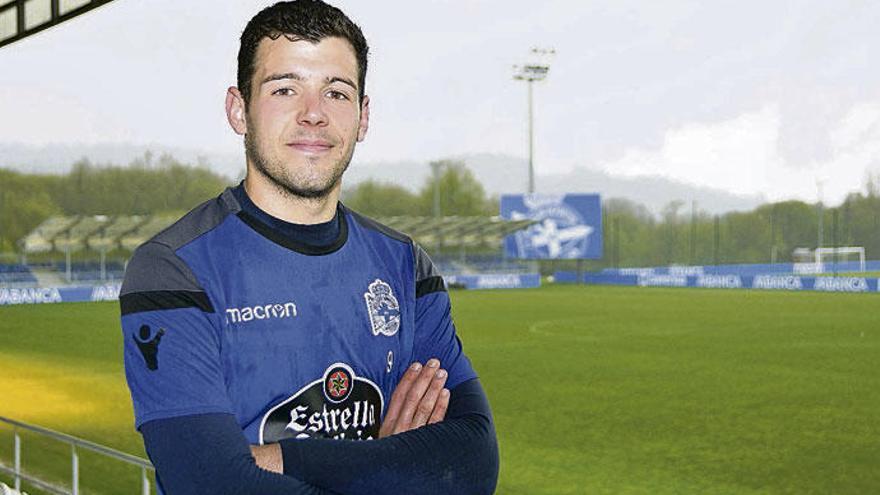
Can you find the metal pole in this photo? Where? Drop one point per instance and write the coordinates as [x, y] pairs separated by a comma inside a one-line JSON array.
[[834, 239], [103, 264], [2, 209], [67, 259], [145, 482], [773, 234], [75, 444], [617, 243], [821, 228], [435, 168], [74, 463], [533, 71], [19, 18], [717, 240], [531, 141], [693, 247], [17, 460]]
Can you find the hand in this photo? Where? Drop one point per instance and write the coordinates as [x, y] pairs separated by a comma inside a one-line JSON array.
[[418, 399], [268, 457]]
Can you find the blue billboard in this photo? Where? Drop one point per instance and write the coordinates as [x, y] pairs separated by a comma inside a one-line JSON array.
[[48, 295], [567, 226]]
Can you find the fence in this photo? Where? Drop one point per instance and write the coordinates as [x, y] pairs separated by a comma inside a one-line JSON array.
[[46, 295], [18, 474], [749, 269], [710, 281]]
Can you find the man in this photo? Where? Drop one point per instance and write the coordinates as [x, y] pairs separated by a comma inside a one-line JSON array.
[[268, 328]]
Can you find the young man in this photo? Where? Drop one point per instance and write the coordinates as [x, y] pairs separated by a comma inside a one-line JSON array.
[[271, 326]]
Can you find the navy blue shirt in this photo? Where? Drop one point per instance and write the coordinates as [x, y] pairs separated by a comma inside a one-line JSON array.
[[296, 332], [319, 234]]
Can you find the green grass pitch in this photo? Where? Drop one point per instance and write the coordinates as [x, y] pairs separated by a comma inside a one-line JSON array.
[[612, 390]]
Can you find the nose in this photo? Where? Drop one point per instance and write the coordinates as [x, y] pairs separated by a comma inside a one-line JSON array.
[[312, 112]]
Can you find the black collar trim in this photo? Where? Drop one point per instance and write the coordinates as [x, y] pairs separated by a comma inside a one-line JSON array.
[[294, 244]]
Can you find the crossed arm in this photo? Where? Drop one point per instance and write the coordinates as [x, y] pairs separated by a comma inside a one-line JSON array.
[[418, 449], [419, 399]]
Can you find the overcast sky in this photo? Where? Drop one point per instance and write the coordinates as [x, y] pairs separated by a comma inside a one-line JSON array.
[[752, 97]]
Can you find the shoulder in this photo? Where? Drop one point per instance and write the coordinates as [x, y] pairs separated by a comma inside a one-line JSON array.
[[380, 228], [427, 276], [154, 266], [198, 221]]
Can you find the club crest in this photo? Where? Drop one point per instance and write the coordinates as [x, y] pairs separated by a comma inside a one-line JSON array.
[[383, 308]]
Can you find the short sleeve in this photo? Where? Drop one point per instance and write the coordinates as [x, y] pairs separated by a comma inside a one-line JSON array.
[[171, 346], [435, 335]]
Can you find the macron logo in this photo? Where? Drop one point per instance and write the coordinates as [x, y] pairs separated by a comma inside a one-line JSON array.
[[263, 312]]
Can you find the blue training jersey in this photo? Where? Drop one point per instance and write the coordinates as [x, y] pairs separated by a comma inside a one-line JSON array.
[[222, 313]]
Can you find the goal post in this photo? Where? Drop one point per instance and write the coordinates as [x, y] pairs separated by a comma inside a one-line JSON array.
[[836, 253]]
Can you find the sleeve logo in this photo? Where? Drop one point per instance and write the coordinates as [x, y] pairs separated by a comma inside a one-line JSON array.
[[383, 308], [148, 343]]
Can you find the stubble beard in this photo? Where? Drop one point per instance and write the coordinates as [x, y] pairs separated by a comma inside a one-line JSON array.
[[292, 184]]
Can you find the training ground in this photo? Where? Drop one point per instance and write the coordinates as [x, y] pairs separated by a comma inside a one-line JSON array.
[[595, 389]]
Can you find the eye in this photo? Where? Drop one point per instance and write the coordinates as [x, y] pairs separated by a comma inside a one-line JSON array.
[[337, 95], [284, 92]]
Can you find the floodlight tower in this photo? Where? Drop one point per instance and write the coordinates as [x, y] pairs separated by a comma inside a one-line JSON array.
[[820, 230], [535, 70]]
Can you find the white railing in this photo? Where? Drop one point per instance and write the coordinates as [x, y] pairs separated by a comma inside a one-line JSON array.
[[76, 444]]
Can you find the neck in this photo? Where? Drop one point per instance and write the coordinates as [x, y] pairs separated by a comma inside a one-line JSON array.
[[281, 204]]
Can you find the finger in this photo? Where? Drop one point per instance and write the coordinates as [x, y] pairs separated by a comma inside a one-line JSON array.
[[398, 397], [429, 401], [415, 394], [440, 409]]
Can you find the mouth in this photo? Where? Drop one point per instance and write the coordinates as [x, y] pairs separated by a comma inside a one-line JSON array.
[[311, 145]]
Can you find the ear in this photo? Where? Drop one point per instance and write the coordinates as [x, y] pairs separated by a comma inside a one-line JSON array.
[[364, 123], [236, 112]]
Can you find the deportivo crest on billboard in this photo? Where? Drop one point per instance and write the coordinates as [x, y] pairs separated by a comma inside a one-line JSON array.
[[339, 405], [383, 308], [567, 226]]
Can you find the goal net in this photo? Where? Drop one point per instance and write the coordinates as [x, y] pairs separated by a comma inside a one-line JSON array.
[[829, 259], [841, 259]]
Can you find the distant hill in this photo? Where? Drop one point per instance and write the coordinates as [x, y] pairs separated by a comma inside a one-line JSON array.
[[58, 158], [502, 174], [499, 174]]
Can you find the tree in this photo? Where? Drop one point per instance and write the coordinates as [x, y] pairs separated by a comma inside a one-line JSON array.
[[24, 203], [143, 187], [460, 192], [379, 199]]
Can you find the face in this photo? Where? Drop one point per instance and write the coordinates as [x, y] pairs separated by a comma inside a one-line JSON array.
[[304, 115]]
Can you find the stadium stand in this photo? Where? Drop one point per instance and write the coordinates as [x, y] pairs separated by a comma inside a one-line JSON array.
[[144, 231], [100, 234], [485, 263], [107, 239], [456, 231], [90, 271], [127, 232], [74, 238], [16, 274], [40, 240]]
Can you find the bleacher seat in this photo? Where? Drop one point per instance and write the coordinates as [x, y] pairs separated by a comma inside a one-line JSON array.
[[16, 274]]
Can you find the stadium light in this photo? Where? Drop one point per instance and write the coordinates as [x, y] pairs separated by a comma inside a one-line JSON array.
[[435, 171], [535, 70], [22, 18], [820, 229]]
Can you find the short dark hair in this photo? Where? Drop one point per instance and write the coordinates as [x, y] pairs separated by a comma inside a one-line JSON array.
[[309, 20]]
